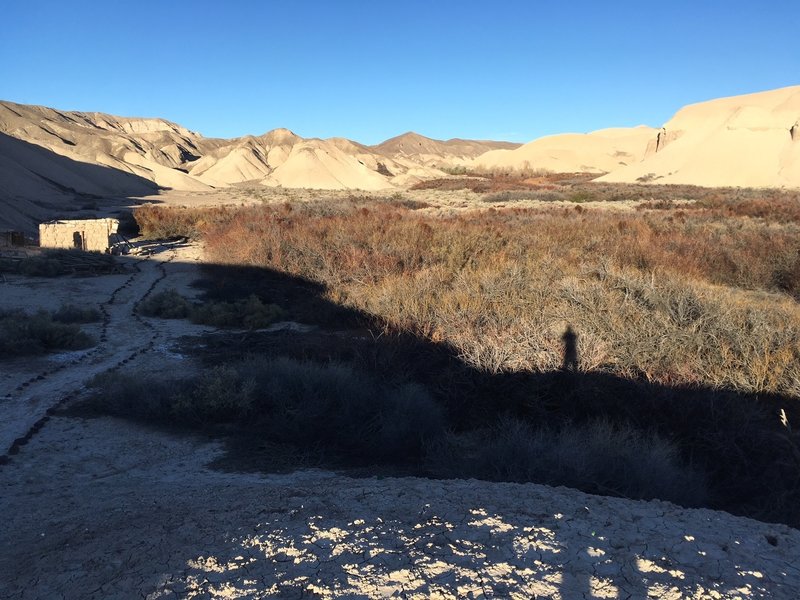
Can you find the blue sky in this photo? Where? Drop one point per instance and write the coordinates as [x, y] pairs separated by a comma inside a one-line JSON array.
[[371, 70]]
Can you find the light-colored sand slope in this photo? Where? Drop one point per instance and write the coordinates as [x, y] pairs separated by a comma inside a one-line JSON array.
[[151, 149], [748, 141], [37, 184], [281, 158], [318, 164], [159, 153], [597, 152]]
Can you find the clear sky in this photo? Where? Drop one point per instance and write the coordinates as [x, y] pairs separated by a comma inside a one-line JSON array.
[[369, 70]]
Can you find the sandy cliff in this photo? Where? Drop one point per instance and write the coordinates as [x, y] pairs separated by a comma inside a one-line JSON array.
[[748, 141]]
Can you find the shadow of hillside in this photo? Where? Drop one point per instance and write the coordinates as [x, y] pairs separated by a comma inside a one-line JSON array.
[[39, 184], [750, 459]]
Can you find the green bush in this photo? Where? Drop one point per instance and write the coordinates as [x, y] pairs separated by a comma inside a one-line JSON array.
[[250, 313], [217, 396], [580, 197], [454, 170], [168, 304], [26, 334], [522, 195], [69, 313]]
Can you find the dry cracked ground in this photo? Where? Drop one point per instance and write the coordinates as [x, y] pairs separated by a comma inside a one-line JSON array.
[[102, 508]]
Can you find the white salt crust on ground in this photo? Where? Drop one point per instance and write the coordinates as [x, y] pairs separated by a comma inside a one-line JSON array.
[[106, 509]]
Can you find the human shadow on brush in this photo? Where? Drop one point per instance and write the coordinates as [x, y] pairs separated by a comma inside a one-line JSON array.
[[570, 339], [350, 391]]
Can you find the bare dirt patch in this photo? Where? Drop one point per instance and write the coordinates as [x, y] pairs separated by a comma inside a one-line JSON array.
[[106, 509]]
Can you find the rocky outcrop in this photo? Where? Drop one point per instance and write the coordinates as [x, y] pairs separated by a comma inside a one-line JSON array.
[[739, 141], [663, 137]]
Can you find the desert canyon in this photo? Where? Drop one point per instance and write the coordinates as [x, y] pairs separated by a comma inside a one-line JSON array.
[[440, 274]]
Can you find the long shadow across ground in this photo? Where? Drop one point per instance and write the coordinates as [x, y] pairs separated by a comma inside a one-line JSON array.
[[137, 513], [748, 460]]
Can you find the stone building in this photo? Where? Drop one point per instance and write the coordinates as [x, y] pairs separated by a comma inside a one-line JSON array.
[[93, 235]]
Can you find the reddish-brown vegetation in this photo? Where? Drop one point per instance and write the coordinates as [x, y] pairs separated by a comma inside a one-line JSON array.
[[685, 319], [697, 295]]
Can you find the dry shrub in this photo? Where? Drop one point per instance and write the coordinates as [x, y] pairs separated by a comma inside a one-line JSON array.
[[693, 299], [160, 222], [598, 457], [69, 313], [219, 395], [330, 406], [687, 326], [23, 333], [771, 205]]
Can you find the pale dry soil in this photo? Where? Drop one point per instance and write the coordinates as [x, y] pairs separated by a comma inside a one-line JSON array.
[[103, 508], [439, 201]]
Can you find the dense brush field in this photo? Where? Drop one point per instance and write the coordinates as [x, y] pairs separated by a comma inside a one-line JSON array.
[[683, 381]]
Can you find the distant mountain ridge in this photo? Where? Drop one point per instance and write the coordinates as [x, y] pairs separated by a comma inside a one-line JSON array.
[[428, 151], [50, 158], [172, 156]]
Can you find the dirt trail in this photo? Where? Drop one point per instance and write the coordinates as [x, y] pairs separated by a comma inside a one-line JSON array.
[[103, 508], [122, 336]]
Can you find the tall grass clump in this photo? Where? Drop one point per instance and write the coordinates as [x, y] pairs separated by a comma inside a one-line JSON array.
[[250, 313], [23, 333]]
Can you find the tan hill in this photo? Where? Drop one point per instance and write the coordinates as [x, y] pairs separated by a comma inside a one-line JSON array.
[[597, 152], [37, 184], [746, 141], [153, 149], [436, 153], [319, 164], [281, 158], [53, 160], [58, 159]]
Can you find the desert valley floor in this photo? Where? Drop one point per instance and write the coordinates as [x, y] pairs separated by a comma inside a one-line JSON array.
[[102, 508]]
